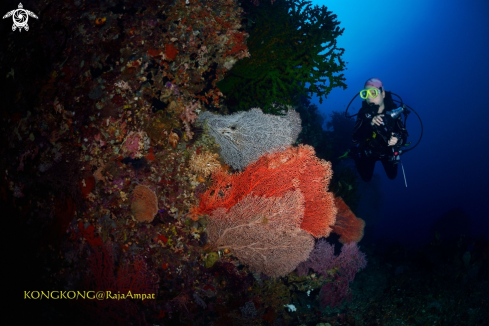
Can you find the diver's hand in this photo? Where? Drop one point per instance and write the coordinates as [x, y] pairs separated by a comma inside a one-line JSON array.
[[393, 140], [377, 120]]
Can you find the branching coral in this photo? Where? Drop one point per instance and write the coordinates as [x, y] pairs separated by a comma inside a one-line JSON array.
[[293, 51], [321, 260]]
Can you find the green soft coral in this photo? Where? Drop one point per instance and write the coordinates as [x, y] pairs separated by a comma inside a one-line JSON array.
[[293, 52]]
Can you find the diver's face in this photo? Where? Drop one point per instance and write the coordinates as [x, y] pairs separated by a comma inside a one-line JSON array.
[[378, 100]]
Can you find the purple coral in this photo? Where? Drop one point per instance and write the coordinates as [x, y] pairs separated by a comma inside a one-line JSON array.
[[335, 292], [348, 263], [321, 259]]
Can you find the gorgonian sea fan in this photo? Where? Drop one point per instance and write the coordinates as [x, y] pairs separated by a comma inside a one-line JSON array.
[[273, 175]]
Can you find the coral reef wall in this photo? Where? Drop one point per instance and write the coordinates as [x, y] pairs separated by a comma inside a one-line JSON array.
[[110, 168]]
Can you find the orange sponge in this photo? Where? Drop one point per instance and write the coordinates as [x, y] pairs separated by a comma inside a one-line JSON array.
[[144, 204]]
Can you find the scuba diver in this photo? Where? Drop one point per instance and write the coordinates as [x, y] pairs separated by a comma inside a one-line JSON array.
[[379, 132]]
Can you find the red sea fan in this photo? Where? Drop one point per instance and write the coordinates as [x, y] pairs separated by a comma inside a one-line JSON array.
[[347, 225], [131, 274], [273, 175]]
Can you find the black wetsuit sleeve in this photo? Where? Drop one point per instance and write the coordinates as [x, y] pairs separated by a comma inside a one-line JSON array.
[[362, 130]]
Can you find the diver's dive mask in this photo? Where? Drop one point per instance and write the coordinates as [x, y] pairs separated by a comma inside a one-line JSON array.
[[373, 92]]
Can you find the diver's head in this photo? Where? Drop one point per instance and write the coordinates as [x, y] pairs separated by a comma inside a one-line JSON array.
[[373, 92]]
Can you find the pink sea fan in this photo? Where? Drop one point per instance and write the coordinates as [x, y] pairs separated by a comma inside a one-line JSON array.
[[263, 233]]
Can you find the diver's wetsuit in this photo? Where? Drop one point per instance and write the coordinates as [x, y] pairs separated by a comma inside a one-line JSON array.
[[370, 145]]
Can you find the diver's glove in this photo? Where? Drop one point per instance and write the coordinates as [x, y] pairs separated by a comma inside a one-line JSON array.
[[371, 112]]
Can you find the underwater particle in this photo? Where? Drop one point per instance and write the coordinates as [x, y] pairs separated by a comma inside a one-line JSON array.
[[211, 259], [144, 204], [291, 307]]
